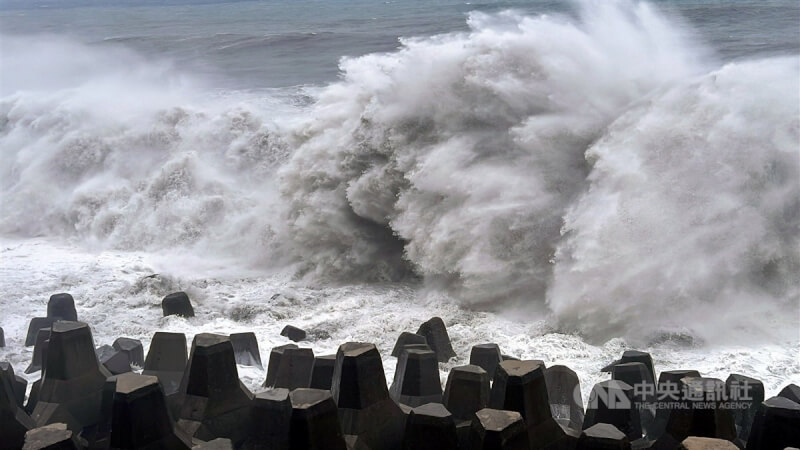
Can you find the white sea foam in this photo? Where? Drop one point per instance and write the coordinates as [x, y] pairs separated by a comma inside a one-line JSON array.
[[116, 293], [600, 172]]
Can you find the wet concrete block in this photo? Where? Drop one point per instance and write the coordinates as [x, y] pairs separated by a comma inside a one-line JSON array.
[[293, 333], [776, 425], [177, 304], [416, 347], [366, 411], [435, 334], [245, 348], [792, 392], [101, 438], [42, 338], [632, 373], [216, 444], [14, 422], [700, 443], [72, 382], [416, 379], [18, 384], [166, 359], [405, 339], [293, 369], [747, 393], [140, 417], [603, 436], [564, 392], [36, 324], [704, 413], [213, 401], [33, 397], [634, 356], [271, 417], [430, 427], [275, 356], [612, 402], [133, 348], [464, 432], [494, 429], [675, 376], [711, 418], [520, 386], [62, 307], [315, 421], [668, 391], [466, 391], [167, 353], [322, 373], [55, 436], [358, 377], [486, 356], [639, 376], [112, 359]]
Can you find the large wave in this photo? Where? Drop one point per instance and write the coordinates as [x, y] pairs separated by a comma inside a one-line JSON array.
[[600, 166], [102, 146]]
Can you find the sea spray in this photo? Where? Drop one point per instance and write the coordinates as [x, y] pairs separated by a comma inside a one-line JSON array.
[[692, 215], [592, 167], [468, 148]]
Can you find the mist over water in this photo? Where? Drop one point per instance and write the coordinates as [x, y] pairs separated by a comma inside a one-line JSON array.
[[603, 168]]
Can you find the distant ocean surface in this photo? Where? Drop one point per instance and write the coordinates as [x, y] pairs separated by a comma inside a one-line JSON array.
[[566, 179], [257, 44]]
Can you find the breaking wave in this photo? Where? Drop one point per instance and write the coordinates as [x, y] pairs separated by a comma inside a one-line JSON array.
[[599, 167]]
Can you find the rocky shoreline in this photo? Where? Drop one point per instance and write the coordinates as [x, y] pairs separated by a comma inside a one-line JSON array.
[[99, 398]]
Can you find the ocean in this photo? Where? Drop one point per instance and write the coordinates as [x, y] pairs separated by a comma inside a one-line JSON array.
[[566, 179]]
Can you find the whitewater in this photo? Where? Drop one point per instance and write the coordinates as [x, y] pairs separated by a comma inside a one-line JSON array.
[[567, 186]]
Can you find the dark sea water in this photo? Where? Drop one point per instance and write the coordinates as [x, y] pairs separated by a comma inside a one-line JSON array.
[[272, 43]]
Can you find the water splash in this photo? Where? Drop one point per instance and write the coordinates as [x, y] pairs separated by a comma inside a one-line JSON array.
[[600, 168]]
